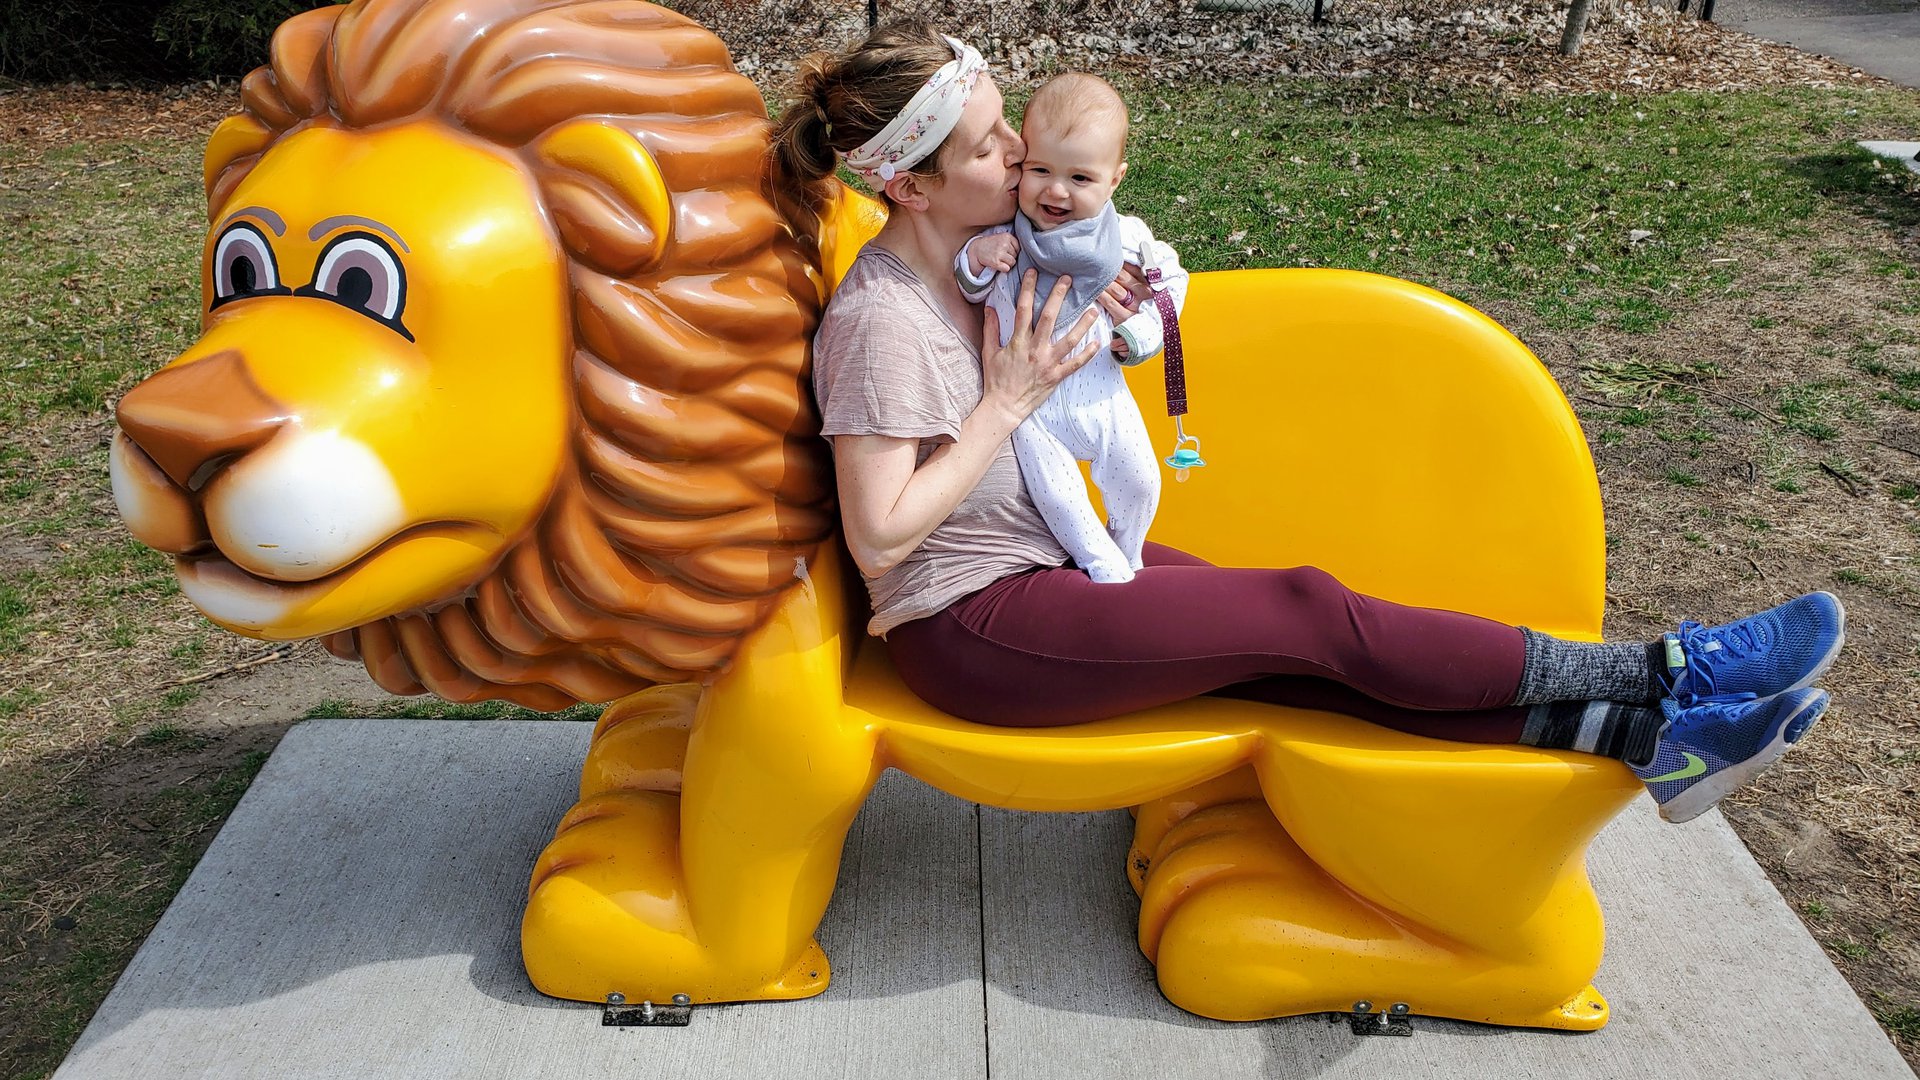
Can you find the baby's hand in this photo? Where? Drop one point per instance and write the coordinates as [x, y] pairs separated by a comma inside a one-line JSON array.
[[1119, 347], [997, 251]]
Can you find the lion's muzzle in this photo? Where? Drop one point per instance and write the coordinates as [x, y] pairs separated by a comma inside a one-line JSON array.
[[176, 429], [208, 464]]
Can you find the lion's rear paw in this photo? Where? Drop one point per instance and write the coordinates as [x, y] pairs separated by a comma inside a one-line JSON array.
[[1242, 925]]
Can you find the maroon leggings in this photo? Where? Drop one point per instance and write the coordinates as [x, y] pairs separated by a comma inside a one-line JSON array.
[[1052, 647]]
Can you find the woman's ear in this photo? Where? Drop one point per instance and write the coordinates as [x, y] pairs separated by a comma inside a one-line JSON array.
[[905, 190]]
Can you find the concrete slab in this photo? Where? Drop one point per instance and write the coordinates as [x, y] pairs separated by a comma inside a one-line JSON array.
[[1885, 43], [1708, 972], [358, 917]]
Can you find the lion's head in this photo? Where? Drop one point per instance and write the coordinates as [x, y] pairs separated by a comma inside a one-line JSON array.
[[501, 379]]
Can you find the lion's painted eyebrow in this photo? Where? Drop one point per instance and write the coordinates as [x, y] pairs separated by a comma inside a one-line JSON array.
[[332, 223], [272, 219]]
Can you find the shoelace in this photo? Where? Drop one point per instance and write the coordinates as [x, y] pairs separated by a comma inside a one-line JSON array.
[[1705, 708], [1734, 643]]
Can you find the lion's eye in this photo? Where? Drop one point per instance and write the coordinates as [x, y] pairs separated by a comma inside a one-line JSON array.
[[243, 265], [360, 271]]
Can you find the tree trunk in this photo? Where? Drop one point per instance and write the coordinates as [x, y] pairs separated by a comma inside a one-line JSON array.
[[1576, 26]]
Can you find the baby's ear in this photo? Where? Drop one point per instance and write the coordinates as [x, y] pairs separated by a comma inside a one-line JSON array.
[[1119, 174]]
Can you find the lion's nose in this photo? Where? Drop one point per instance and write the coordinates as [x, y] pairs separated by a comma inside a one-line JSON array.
[[189, 419]]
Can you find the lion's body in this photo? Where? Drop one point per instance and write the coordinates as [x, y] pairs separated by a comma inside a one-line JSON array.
[[502, 388]]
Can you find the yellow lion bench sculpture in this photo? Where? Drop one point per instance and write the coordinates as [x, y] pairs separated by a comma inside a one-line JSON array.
[[502, 390]]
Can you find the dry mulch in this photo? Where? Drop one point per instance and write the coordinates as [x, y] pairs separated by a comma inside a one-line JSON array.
[[40, 118], [1629, 46], [1836, 824]]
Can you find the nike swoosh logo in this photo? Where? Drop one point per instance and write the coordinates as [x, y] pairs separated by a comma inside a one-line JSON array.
[[1694, 767]]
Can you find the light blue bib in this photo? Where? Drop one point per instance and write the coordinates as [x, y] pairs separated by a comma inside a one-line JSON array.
[[1088, 250]]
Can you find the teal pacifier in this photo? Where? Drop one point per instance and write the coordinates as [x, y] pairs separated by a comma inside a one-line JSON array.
[[1184, 457]]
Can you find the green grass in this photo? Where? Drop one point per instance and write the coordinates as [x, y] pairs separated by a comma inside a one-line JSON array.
[[1527, 200], [434, 709], [102, 278], [178, 698], [18, 700], [14, 613], [1902, 1020], [173, 736], [1850, 950], [109, 923]]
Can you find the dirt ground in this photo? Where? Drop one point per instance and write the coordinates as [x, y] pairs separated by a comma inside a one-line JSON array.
[[1836, 825], [1724, 492]]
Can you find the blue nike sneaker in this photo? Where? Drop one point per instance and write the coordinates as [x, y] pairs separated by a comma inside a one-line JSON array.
[[1713, 747], [1780, 649]]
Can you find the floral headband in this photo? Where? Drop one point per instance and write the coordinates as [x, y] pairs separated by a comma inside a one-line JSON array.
[[926, 121]]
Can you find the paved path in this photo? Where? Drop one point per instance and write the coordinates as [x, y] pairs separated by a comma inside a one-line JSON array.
[[358, 917], [1878, 36]]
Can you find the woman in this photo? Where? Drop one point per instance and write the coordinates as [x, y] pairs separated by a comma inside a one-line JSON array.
[[988, 620]]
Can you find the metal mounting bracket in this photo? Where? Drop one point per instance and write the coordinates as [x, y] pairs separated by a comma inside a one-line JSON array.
[[1396, 1020], [617, 1013]]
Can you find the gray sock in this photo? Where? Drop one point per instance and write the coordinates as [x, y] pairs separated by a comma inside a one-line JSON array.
[[1560, 670], [1624, 732]]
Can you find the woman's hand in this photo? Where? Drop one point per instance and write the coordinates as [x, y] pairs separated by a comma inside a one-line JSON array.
[[888, 504], [1020, 375]]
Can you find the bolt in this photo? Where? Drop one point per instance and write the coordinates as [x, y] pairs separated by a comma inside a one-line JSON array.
[[1400, 1008], [1363, 1006], [682, 999], [616, 998]]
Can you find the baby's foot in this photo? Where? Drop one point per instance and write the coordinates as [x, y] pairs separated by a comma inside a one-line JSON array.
[[1109, 573]]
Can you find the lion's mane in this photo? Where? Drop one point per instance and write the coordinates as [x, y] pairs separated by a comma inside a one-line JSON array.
[[697, 478]]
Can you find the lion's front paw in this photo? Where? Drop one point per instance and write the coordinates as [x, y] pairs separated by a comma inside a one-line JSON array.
[[607, 912], [640, 743]]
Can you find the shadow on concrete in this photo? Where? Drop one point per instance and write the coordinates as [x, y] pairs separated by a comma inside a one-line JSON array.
[[1849, 177]]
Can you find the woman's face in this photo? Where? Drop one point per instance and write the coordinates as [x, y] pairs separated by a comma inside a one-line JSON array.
[[980, 163]]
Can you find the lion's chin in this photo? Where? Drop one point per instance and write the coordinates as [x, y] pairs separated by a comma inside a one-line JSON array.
[[236, 599], [419, 565]]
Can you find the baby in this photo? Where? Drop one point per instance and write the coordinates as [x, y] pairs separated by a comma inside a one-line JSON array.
[[1076, 135]]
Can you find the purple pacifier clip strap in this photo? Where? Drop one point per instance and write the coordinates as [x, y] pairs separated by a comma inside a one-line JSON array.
[[1175, 361]]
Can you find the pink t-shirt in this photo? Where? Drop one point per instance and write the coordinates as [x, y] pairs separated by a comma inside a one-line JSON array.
[[887, 361]]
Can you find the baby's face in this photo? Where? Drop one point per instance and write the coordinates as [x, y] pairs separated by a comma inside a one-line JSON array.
[[1067, 178]]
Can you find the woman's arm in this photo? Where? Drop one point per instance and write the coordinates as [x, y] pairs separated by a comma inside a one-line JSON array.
[[887, 506]]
